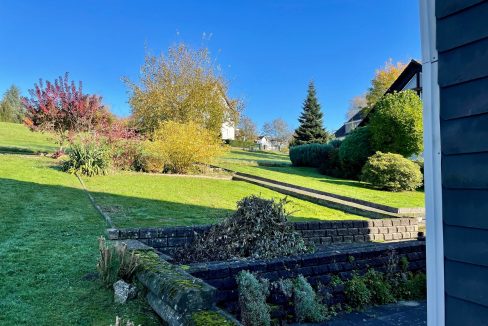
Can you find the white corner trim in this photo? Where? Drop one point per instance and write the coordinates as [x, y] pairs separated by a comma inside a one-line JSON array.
[[432, 169]]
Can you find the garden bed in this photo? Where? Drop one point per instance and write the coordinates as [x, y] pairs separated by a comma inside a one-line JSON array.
[[182, 294], [342, 249]]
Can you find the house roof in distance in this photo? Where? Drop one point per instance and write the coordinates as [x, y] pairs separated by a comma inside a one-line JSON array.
[[399, 84]]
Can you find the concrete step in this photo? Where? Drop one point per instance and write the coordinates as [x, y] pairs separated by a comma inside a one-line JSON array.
[[318, 198]]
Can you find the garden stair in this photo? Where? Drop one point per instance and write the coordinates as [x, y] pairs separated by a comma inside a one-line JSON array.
[[346, 204]]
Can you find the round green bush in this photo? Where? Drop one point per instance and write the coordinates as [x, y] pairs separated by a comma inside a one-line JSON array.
[[310, 155], [392, 172], [396, 124], [354, 152]]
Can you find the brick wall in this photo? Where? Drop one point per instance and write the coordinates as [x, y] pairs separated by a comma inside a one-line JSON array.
[[319, 233], [317, 267]]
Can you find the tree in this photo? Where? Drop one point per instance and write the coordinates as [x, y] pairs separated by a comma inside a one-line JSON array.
[[61, 107], [356, 104], [11, 109], [279, 130], [396, 124], [311, 128], [383, 79], [182, 86], [247, 131]]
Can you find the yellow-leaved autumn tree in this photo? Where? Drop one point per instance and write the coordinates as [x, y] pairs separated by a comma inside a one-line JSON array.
[[176, 147], [383, 79], [182, 86]]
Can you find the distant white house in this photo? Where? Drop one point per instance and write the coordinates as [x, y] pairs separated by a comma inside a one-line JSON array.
[[266, 143], [228, 130]]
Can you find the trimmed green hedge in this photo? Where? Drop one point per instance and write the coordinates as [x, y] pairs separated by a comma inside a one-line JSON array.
[[311, 155], [354, 152]]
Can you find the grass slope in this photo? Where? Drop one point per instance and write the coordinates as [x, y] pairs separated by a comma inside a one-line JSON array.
[[48, 243], [311, 178], [18, 138], [137, 199]]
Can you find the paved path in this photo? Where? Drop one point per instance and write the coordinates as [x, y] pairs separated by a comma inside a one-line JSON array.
[[320, 199], [403, 313]]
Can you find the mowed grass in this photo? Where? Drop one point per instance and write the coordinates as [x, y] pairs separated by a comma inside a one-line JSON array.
[[311, 178], [17, 138], [138, 199], [256, 157], [48, 248]]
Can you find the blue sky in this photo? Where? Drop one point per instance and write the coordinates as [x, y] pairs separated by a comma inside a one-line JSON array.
[[268, 50]]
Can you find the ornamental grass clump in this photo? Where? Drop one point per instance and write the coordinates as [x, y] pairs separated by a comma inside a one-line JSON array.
[[115, 262], [259, 228], [89, 155]]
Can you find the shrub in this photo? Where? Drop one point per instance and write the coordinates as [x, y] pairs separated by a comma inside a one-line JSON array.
[[392, 172], [396, 124], [336, 143], [309, 154], [307, 306], [381, 291], [354, 152], [126, 154], [115, 263], [150, 162], [252, 300], [331, 164], [89, 156], [181, 145], [357, 293], [259, 229]]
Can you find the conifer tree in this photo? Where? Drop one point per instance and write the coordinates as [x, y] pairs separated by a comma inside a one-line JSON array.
[[311, 128], [11, 107]]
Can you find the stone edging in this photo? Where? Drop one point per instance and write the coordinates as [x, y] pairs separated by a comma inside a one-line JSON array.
[[179, 298]]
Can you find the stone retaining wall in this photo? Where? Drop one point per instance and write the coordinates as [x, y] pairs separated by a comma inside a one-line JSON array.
[[319, 233], [179, 298], [317, 267]]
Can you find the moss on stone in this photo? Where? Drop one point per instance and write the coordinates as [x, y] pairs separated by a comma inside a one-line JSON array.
[[210, 318]]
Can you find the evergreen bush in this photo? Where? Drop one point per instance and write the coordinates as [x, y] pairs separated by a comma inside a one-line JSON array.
[[252, 300], [311, 155], [392, 172], [307, 305], [354, 152]]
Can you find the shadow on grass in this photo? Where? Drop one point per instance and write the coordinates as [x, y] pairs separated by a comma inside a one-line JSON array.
[[125, 211], [17, 150]]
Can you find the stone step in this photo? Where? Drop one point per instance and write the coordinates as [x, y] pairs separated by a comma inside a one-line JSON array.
[[320, 199]]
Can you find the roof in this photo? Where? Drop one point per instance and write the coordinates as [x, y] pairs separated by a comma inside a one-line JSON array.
[[410, 70]]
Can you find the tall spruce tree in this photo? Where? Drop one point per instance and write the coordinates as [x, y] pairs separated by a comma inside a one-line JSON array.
[[311, 128], [11, 107]]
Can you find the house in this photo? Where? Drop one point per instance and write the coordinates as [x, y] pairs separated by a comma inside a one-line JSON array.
[[228, 131], [455, 98], [266, 143], [410, 78]]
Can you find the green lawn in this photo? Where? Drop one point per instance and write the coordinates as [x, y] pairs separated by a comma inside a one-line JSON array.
[[311, 178], [48, 245], [137, 199], [256, 157], [18, 138]]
